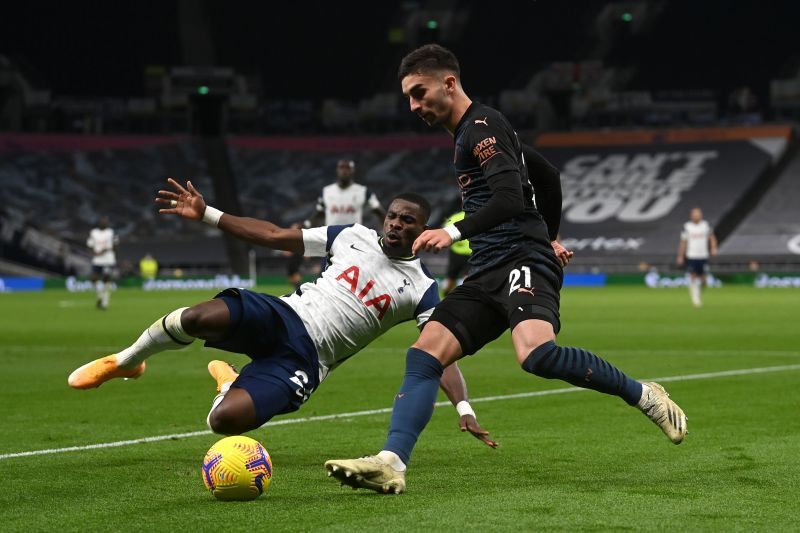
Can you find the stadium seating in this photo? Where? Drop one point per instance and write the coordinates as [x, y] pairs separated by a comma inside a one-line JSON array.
[[626, 193], [773, 227]]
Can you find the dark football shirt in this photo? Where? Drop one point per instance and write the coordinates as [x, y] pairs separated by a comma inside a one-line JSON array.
[[486, 145]]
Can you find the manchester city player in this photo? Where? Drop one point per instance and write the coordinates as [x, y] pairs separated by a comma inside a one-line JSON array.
[[371, 284], [513, 283]]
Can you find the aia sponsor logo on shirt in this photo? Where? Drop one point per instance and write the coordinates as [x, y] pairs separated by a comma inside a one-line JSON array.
[[350, 277], [343, 209]]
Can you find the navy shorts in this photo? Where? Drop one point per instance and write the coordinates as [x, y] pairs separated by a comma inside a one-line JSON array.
[[284, 370], [696, 266], [103, 270]]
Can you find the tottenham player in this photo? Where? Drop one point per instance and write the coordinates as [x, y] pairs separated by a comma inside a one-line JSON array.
[[372, 283], [514, 280], [343, 202], [697, 244], [102, 241]]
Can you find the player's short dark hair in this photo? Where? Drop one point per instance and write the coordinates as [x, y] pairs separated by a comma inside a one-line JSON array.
[[429, 58], [416, 199]]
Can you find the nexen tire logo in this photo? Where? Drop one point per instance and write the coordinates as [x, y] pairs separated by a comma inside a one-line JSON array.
[[609, 244]]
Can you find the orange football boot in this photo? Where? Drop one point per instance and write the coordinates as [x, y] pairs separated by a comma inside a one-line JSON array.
[[99, 371], [222, 372]]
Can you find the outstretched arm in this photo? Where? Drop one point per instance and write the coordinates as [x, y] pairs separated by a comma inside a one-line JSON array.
[[189, 203], [455, 387]]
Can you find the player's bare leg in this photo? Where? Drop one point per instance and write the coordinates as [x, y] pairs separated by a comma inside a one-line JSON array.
[[695, 289], [232, 410], [537, 353], [176, 330], [99, 287], [105, 292]]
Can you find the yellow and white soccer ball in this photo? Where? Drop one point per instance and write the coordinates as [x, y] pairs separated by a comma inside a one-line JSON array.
[[237, 468]]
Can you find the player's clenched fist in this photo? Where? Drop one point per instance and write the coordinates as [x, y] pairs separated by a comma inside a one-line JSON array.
[[432, 240]]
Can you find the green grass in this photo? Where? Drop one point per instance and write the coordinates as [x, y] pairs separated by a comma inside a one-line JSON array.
[[572, 461]]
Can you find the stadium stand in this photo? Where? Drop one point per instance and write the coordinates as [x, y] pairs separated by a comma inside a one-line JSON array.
[[57, 186], [626, 193], [282, 177], [62, 184], [772, 229]]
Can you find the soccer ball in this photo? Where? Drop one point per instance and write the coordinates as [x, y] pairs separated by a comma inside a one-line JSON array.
[[237, 468]]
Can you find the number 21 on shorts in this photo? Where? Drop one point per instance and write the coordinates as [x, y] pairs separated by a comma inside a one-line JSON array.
[[514, 278]]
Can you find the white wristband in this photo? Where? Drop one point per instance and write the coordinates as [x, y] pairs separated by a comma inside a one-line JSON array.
[[464, 408], [211, 216], [453, 232]]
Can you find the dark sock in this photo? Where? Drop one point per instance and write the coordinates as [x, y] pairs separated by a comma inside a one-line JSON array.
[[582, 369], [413, 405]]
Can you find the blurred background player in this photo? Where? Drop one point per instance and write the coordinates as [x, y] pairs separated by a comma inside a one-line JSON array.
[[458, 258], [343, 202], [102, 240], [148, 267], [697, 244]]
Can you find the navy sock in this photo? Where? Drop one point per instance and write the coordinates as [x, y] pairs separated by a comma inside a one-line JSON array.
[[582, 369], [413, 405]]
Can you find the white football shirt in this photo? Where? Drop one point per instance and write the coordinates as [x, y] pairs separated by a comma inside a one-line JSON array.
[[346, 206], [360, 295], [696, 237], [102, 242]]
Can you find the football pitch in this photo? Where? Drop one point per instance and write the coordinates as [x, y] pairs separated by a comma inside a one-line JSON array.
[[127, 456]]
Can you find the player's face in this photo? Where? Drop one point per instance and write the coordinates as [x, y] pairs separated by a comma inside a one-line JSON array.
[[344, 171], [403, 224], [696, 215], [430, 96]]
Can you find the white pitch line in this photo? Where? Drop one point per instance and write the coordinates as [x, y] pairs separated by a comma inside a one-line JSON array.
[[114, 444], [301, 420]]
